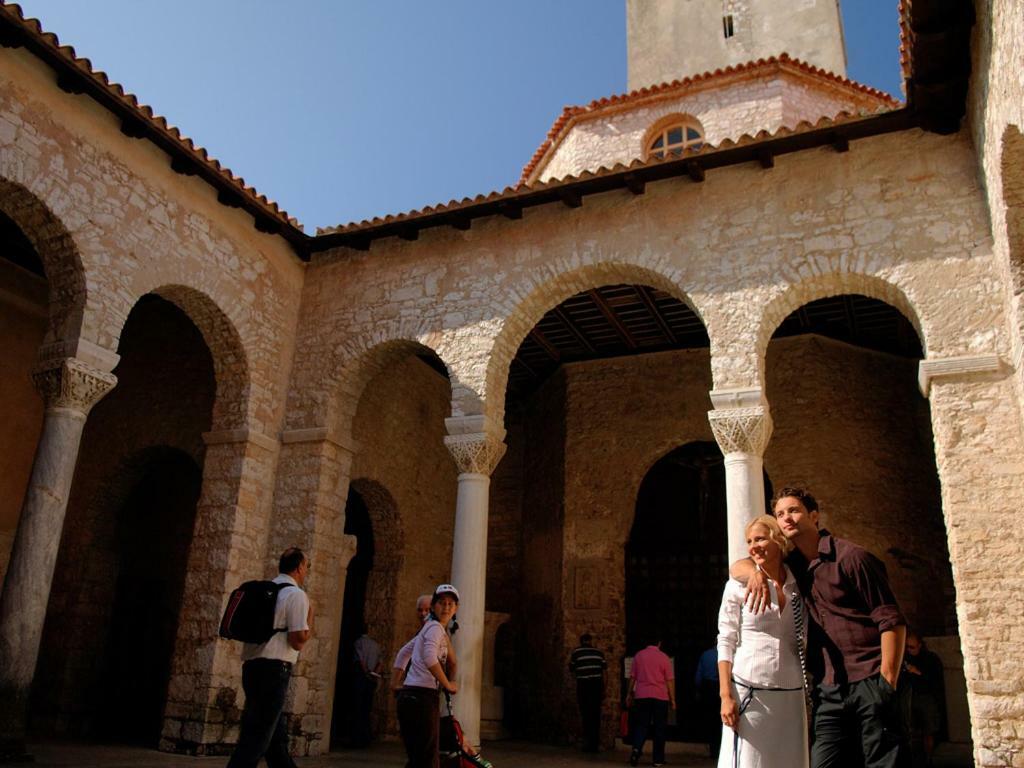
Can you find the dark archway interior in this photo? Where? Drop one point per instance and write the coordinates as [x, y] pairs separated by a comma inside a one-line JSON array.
[[17, 248], [676, 563], [357, 523], [154, 530], [117, 594]]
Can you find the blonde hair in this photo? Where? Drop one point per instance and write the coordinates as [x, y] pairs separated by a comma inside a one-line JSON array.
[[774, 532]]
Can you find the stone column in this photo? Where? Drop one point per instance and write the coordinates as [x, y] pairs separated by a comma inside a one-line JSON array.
[[70, 388], [742, 425], [477, 447]]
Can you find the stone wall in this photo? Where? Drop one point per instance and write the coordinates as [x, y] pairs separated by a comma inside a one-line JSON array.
[[23, 314]]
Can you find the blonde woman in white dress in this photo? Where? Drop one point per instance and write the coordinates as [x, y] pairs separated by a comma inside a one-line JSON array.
[[764, 720]]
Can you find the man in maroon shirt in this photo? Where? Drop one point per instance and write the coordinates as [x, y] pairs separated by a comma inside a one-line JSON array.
[[855, 639]]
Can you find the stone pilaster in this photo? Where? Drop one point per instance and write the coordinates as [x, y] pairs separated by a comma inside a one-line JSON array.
[[742, 426], [309, 511], [70, 388], [228, 547], [476, 445]]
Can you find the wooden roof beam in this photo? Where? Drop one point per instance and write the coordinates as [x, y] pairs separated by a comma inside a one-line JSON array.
[[645, 296], [547, 346], [576, 332], [612, 318]]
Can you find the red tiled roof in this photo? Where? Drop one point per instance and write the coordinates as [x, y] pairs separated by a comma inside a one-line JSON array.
[[144, 113], [572, 113]]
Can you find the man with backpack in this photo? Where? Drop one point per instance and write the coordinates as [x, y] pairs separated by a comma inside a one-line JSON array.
[[267, 669]]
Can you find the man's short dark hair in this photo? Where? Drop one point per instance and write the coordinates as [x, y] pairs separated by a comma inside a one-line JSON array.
[[803, 495], [290, 560], [585, 638]]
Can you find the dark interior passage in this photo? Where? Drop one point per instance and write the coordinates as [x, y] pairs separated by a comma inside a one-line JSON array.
[[357, 523]]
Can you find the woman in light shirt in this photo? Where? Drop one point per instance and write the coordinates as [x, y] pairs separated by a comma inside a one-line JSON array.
[[760, 675], [417, 704]]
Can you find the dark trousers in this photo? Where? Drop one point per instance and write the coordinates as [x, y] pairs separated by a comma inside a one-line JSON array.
[[418, 722], [650, 714], [364, 686], [589, 693], [263, 733], [867, 714]]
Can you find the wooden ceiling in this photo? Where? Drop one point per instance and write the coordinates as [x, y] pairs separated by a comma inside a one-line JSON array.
[[619, 320]]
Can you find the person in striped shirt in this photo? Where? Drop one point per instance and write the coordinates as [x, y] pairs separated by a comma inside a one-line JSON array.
[[587, 665]]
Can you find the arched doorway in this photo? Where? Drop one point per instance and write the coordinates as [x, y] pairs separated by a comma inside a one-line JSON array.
[[608, 379], [353, 616], [127, 535], [676, 564], [851, 425], [23, 323]]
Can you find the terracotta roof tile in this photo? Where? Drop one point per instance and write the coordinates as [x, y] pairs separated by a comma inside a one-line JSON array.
[[145, 113], [571, 113]]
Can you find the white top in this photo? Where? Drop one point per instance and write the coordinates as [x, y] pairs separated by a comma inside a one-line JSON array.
[[761, 646], [429, 647], [404, 655], [290, 613]]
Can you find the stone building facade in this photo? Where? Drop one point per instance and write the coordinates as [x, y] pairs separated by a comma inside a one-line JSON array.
[[181, 332]]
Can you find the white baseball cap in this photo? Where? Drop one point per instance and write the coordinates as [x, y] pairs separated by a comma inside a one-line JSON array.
[[446, 589]]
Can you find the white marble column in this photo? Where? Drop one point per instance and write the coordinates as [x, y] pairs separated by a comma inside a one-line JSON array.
[[742, 425], [477, 447], [70, 388]]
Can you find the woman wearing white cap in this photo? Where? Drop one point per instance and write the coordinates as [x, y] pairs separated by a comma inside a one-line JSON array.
[[418, 699]]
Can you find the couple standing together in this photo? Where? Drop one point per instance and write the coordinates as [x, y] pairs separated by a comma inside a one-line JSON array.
[[809, 606]]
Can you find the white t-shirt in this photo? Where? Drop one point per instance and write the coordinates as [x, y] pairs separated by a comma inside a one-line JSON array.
[[290, 613]]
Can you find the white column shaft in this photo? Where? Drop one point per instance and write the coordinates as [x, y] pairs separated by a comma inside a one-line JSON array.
[[744, 496], [469, 575]]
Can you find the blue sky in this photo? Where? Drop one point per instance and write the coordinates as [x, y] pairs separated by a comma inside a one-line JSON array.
[[341, 110]]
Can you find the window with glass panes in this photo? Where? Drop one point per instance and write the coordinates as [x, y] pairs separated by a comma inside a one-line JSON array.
[[674, 138]]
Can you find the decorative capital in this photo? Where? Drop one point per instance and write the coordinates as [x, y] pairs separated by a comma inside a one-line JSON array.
[[72, 384], [741, 430], [475, 452]]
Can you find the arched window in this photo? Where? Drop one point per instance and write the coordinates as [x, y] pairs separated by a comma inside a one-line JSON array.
[[675, 136]]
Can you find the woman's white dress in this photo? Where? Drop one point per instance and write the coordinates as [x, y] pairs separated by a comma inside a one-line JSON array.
[[763, 650]]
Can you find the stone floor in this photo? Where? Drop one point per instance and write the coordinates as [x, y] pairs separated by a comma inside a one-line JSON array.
[[504, 754]]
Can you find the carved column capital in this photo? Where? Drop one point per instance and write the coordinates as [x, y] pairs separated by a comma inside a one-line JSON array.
[[741, 430], [71, 384], [475, 442], [476, 453]]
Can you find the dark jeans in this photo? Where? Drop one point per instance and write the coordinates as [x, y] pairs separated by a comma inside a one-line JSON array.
[[653, 714], [418, 722], [589, 693], [263, 732], [867, 714]]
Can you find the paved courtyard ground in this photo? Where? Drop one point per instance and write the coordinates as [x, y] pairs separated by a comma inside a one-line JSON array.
[[505, 754]]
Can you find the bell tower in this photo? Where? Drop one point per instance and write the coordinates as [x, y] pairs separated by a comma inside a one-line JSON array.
[[671, 39]]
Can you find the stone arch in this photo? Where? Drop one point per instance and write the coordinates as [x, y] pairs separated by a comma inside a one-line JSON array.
[[824, 286], [544, 291], [361, 362], [59, 254], [388, 556], [230, 360]]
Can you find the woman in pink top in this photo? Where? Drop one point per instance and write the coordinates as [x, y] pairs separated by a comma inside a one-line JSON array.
[[652, 690]]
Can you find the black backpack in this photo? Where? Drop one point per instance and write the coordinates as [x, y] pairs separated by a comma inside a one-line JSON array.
[[249, 615]]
